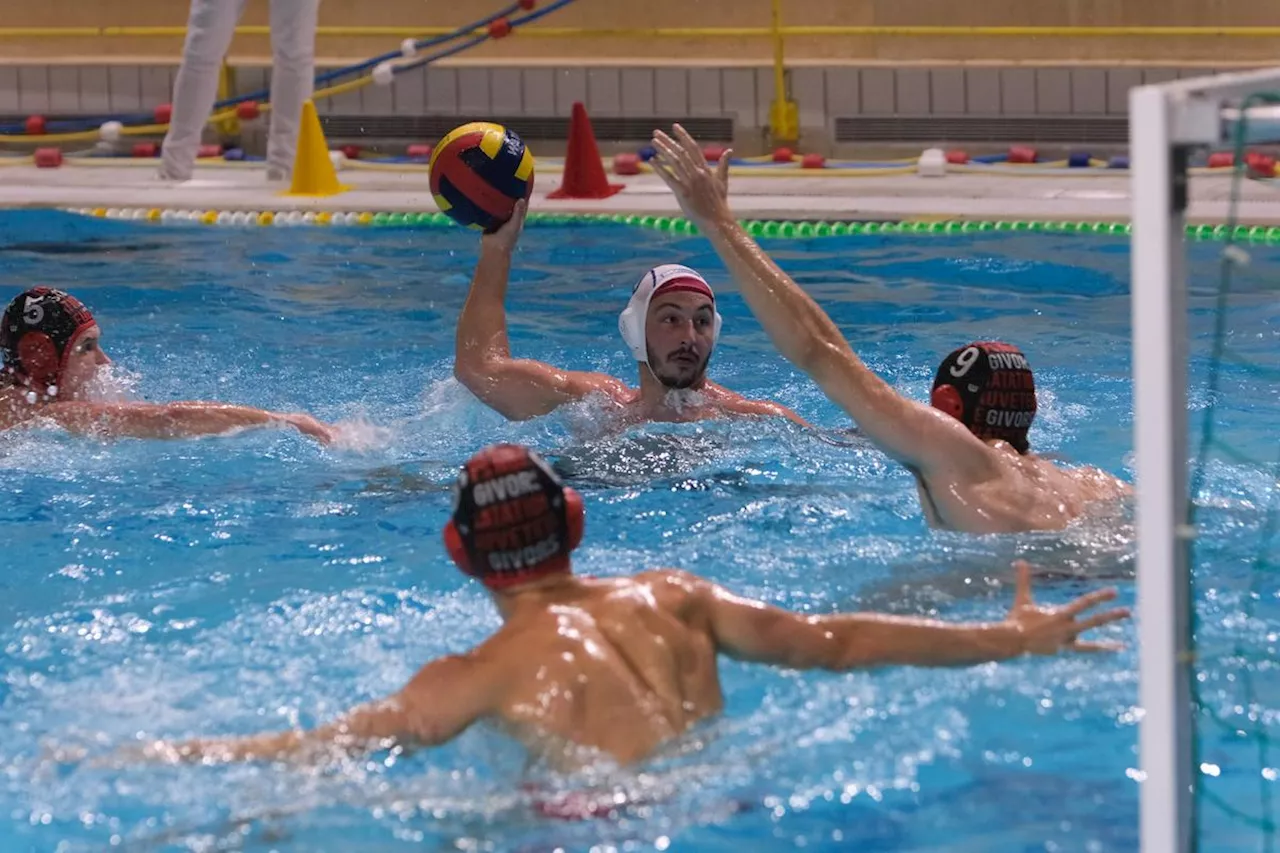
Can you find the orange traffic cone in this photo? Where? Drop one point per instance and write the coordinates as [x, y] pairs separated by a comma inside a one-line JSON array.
[[583, 172]]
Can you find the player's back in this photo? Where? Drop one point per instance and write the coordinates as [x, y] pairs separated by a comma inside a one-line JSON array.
[[607, 665], [1026, 493]]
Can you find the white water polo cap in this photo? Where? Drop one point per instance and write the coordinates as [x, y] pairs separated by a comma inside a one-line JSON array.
[[667, 277]]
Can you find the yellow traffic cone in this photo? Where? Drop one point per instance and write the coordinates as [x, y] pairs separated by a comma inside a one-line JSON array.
[[313, 172]]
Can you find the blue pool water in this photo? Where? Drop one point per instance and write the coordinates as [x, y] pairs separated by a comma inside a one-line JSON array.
[[231, 585]]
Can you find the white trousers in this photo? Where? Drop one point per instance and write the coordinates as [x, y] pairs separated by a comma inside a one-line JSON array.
[[209, 31]]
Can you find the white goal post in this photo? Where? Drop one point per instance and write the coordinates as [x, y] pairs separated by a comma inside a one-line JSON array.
[[1166, 123]]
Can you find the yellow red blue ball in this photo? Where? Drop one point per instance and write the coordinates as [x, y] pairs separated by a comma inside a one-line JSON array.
[[478, 172]]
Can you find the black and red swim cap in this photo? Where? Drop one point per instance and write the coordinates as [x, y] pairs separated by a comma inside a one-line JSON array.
[[37, 332], [513, 519], [988, 386]]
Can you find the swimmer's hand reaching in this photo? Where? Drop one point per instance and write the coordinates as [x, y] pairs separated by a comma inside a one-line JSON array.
[[1049, 630], [175, 420], [844, 641], [309, 426], [703, 194], [439, 703], [449, 694]]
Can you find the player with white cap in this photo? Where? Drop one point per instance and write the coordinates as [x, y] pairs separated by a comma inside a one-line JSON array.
[[671, 326]]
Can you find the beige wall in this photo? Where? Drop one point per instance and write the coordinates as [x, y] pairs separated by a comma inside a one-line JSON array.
[[601, 14]]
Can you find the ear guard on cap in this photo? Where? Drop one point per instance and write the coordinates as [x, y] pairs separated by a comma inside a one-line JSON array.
[[457, 551], [631, 321], [947, 399], [989, 387], [575, 521], [38, 357]]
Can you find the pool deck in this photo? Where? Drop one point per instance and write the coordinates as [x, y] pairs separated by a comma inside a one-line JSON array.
[[1040, 195]]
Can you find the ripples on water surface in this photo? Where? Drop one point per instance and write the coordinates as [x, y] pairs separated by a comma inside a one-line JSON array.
[[229, 585]]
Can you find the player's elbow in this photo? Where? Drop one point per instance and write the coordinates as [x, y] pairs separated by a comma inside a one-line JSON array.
[[464, 370], [475, 351], [511, 411], [490, 387], [477, 373]]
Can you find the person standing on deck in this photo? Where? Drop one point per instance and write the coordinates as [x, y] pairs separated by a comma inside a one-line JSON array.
[[210, 27]]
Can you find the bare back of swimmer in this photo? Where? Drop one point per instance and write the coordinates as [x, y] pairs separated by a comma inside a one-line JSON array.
[[588, 668]]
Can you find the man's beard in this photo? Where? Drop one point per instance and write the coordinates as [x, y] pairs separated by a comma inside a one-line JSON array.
[[681, 384]]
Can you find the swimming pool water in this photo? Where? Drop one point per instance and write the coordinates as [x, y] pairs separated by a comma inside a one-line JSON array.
[[231, 585]]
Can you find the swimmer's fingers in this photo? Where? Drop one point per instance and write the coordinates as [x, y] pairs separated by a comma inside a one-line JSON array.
[[309, 426], [512, 227], [663, 171], [677, 176], [665, 156], [671, 157], [1086, 602], [1022, 592], [722, 171], [686, 151], [689, 144], [665, 144], [1095, 648], [702, 193], [516, 223], [1100, 619], [662, 168], [506, 235], [518, 211], [697, 160]]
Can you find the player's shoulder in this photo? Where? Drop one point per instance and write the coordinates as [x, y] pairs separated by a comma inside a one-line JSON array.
[[604, 383], [677, 591], [14, 409], [716, 391], [733, 401], [668, 575], [673, 585]]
